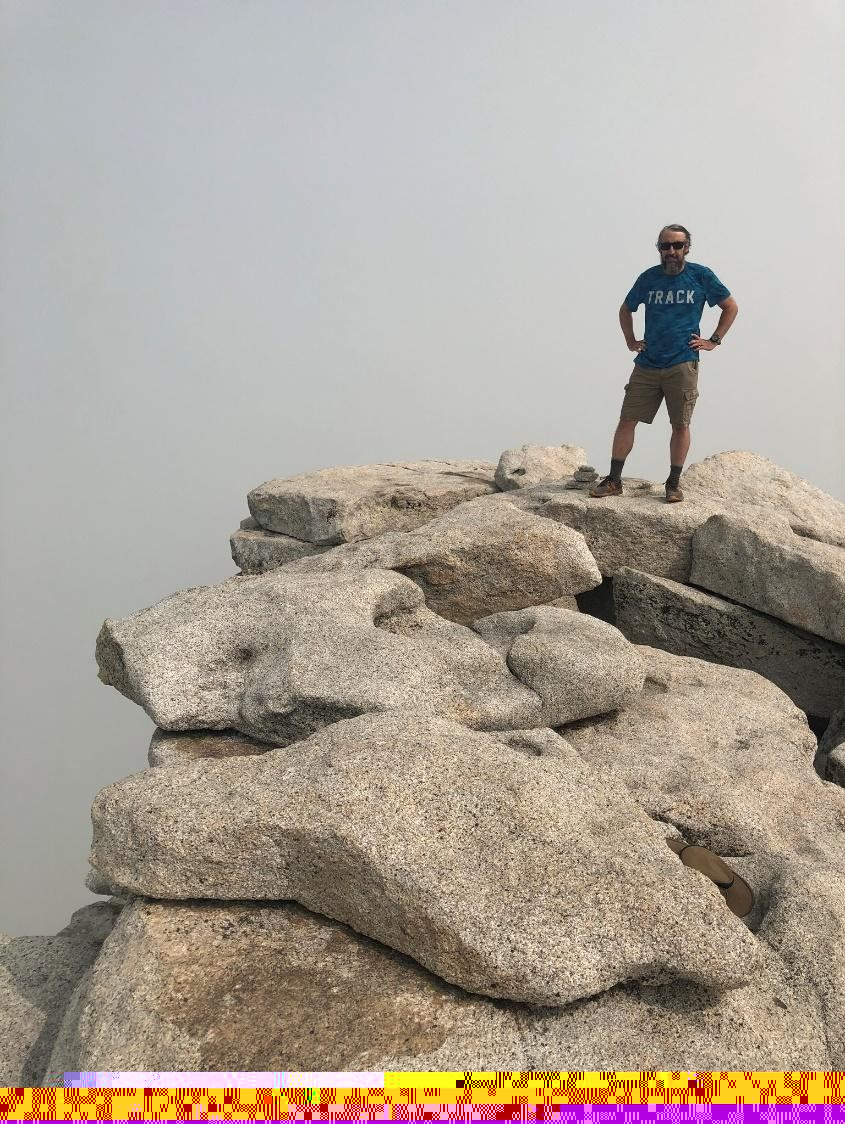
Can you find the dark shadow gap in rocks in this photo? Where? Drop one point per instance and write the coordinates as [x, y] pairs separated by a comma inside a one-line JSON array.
[[586, 723], [599, 602], [817, 724]]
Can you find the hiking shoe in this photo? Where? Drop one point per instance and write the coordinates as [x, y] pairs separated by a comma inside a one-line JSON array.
[[673, 494], [607, 487]]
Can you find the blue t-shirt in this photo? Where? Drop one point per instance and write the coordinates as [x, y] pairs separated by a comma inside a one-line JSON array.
[[673, 308]]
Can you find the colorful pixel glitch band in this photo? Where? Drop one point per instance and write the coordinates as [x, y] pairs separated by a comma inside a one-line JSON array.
[[597, 1097]]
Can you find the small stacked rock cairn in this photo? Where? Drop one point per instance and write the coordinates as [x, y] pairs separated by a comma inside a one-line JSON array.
[[584, 476], [414, 773]]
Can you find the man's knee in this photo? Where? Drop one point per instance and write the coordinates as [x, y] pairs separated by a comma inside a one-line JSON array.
[[680, 428], [629, 424]]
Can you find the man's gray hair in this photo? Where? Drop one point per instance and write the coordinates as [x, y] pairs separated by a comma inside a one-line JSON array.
[[678, 229]]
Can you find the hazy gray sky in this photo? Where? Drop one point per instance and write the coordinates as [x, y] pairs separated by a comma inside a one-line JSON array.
[[247, 238]]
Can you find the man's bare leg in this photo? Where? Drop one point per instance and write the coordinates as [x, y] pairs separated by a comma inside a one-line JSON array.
[[623, 439], [623, 443], [678, 445]]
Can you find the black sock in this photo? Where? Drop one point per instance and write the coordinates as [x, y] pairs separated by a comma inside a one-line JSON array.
[[616, 470], [675, 474]]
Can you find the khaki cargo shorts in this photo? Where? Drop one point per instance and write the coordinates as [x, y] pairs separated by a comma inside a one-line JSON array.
[[647, 389]]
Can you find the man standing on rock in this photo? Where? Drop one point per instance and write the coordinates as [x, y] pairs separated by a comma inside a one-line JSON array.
[[674, 294]]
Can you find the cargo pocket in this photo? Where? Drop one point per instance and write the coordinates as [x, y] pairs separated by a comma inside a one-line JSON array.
[[689, 405]]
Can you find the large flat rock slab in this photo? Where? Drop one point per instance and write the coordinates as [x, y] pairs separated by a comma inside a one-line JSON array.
[[38, 976], [752, 480], [240, 987], [640, 530], [483, 556], [769, 568], [279, 655], [637, 529], [347, 503], [579, 666], [512, 875], [689, 622]]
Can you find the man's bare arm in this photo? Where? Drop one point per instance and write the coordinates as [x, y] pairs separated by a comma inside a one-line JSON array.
[[729, 309], [626, 321]]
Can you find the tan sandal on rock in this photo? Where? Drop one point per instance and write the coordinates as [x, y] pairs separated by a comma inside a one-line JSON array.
[[734, 889]]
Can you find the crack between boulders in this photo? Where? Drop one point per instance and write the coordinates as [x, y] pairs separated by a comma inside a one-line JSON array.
[[665, 818], [478, 477], [801, 633]]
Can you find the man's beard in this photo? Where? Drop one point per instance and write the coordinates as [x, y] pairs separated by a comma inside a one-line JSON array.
[[673, 267]]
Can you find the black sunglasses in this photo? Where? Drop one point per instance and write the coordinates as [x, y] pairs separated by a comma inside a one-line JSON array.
[[671, 245]]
